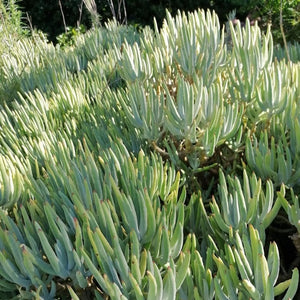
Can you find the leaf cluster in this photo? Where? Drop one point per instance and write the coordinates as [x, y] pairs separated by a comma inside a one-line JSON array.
[[148, 165]]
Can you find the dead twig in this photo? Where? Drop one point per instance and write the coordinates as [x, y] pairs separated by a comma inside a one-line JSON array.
[[63, 16], [283, 35]]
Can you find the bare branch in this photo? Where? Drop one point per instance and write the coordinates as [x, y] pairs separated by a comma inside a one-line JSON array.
[[63, 16]]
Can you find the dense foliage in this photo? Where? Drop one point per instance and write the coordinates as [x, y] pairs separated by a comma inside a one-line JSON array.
[[149, 165]]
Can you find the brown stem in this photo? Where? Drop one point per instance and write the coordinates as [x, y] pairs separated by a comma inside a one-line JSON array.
[[80, 13], [162, 152], [63, 16], [283, 35]]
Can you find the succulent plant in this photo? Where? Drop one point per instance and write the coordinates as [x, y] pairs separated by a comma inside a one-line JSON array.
[[148, 165]]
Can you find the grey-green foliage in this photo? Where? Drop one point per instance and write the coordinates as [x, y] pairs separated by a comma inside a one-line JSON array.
[[196, 89], [243, 203], [292, 208], [98, 143], [69, 221], [274, 151], [11, 182], [293, 49], [33, 63], [246, 272]]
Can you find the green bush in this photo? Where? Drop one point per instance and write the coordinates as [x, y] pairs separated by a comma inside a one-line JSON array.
[[150, 164], [11, 17], [68, 38], [11, 25], [269, 13]]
